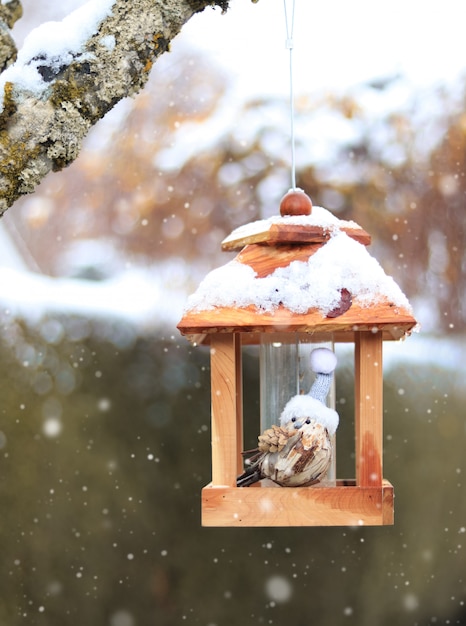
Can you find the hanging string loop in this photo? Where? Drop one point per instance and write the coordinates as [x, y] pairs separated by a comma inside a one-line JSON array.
[[289, 44]]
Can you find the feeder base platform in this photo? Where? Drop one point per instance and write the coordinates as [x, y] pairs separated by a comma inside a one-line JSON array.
[[344, 504]]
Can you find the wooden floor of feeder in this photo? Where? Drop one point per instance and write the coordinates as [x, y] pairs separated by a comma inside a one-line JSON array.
[[344, 504]]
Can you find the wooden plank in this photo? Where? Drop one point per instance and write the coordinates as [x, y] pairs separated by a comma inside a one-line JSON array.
[[368, 408], [298, 506], [282, 233], [270, 234], [342, 336], [388, 508], [383, 316], [226, 408], [266, 259], [239, 404], [289, 233]]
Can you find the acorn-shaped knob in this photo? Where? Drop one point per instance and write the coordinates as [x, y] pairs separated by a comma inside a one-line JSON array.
[[295, 202]]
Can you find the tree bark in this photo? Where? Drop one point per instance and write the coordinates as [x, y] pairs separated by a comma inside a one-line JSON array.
[[10, 12], [43, 131]]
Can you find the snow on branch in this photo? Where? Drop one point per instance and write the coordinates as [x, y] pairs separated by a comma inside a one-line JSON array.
[[10, 12], [69, 74]]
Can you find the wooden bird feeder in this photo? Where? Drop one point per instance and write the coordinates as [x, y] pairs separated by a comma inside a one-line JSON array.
[[369, 310]]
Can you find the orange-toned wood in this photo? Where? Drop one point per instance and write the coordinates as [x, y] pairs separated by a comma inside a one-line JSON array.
[[397, 322], [265, 259], [343, 336], [239, 404], [284, 233], [341, 505], [295, 202], [226, 408], [388, 508], [368, 408], [280, 232]]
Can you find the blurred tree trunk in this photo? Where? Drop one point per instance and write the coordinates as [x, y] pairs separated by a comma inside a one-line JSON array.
[[41, 129]]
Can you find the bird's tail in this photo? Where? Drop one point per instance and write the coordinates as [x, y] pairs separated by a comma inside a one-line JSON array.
[[252, 474]]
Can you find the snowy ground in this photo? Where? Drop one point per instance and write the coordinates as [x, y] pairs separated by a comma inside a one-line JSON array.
[[137, 296], [148, 297]]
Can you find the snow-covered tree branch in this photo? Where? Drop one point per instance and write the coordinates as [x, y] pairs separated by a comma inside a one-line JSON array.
[[10, 12], [68, 75]]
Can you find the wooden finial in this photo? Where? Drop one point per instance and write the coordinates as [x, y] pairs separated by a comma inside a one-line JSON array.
[[295, 202]]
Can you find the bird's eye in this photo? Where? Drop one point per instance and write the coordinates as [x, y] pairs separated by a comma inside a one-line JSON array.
[[308, 421], [293, 419]]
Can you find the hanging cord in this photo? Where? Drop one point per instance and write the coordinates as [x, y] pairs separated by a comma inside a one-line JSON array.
[[289, 46]]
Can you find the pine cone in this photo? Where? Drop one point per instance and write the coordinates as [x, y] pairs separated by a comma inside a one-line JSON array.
[[274, 439]]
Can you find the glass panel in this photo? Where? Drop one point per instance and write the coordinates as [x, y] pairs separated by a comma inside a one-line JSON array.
[[279, 375], [285, 371]]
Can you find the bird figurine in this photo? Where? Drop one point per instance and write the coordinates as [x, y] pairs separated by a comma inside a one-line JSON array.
[[298, 451]]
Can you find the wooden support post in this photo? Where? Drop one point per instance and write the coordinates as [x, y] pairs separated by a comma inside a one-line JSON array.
[[239, 404], [226, 408], [368, 408]]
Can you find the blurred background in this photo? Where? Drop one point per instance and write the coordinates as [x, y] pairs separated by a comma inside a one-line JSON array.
[[104, 427]]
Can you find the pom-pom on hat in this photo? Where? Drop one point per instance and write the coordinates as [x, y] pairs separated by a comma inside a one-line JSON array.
[[323, 363]]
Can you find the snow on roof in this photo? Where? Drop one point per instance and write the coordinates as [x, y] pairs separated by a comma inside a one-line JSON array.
[[319, 217], [316, 283]]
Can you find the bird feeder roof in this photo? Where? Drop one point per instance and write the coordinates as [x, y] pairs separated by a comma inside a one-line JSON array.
[[306, 273]]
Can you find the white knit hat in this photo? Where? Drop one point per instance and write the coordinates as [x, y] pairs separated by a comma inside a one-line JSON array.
[[313, 405]]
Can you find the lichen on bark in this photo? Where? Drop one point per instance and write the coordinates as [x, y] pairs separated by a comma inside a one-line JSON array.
[[43, 131], [10, 12]]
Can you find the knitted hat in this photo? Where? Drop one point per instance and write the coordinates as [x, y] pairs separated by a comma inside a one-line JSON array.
[[313, 405], [323, 363]]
